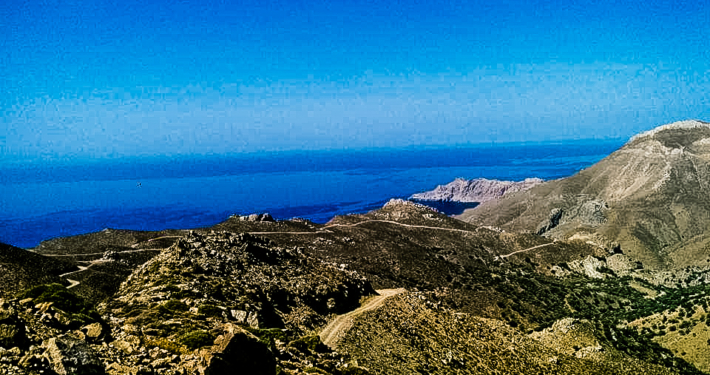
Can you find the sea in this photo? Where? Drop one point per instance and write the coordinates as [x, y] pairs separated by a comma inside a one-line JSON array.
[[44, 200]]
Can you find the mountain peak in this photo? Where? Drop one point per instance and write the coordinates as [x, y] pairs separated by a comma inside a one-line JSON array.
[[679, 133]]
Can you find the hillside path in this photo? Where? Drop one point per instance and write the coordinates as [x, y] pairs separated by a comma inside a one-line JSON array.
[[73, 283], [400, 224], [335, 329], [528, 249]]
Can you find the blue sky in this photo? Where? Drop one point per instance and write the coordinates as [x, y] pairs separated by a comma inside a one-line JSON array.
[[108, 79]]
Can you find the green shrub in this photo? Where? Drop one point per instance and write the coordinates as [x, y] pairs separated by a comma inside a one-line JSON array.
[[60, 296], [209, 310], [269, 336], [353, 371], [173, 306], [308, 344], [196, 339]]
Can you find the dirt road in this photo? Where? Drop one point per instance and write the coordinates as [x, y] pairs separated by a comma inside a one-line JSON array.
[[335, 330], [528, 249]]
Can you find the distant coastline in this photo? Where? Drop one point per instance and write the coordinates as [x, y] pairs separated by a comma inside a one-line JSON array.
[[45, 201]]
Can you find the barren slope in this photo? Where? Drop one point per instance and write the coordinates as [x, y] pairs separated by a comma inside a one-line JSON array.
[[650, 196]]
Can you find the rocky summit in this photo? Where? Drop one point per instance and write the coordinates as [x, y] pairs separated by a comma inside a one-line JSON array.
[[604, 272]]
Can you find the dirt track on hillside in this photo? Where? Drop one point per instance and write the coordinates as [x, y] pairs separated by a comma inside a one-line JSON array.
[[335, 330]]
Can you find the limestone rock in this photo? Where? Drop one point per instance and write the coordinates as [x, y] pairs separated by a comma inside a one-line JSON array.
[[477, 190], [589, 266], [93, 331], [71, 356]]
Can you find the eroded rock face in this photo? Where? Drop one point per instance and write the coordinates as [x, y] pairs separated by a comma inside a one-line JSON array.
[[70, 356], [650, 196], [551, 222], [477, 190]]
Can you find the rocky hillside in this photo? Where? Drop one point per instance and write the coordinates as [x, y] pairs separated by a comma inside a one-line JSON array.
[[478, 190], [650, 197], [207, 286], [422, 337]]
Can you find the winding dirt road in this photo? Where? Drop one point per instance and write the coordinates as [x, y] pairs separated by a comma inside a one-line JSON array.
[[335, 329], [528, 249], [400, 224]]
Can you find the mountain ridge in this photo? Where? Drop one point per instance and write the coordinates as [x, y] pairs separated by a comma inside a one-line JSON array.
[[648, 196]]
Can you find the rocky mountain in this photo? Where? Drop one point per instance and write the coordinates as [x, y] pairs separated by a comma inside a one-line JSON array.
[[477, 190], [650, 197]]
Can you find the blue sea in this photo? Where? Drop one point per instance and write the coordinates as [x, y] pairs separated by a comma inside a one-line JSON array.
[[40, 201]]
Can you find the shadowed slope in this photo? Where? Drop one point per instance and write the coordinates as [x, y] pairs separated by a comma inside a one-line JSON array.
[[21, 269]]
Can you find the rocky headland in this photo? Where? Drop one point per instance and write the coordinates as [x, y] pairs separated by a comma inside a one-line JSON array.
[[478, 190]]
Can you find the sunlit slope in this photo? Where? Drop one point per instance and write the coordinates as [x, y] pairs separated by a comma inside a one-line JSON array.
[[651, 197]]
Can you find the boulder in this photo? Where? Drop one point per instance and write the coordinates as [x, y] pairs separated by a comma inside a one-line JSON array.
[[12, 329], [238, 349], [93, 331], [68, 355]]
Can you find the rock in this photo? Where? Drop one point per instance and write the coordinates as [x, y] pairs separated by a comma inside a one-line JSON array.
[[238, 349], [12, 329], [240, 316], [552, 221], [111, 255], [63, 319], [119, 369], [71, 356], [477, 190], [265, 217], [589, 266], [93, 331], [127, 345], [78, 335], [592, 213], [35, 362]]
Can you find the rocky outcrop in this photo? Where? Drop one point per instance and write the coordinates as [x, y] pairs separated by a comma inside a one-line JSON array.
[[70, 356], [231, 301], [477, 190], [12, 329], [265, 217], [552, 221]]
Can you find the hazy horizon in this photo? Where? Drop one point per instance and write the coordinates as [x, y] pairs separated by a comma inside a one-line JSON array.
[[111, 80]]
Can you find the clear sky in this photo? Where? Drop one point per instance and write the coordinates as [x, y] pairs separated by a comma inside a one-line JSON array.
[[106, 79]]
